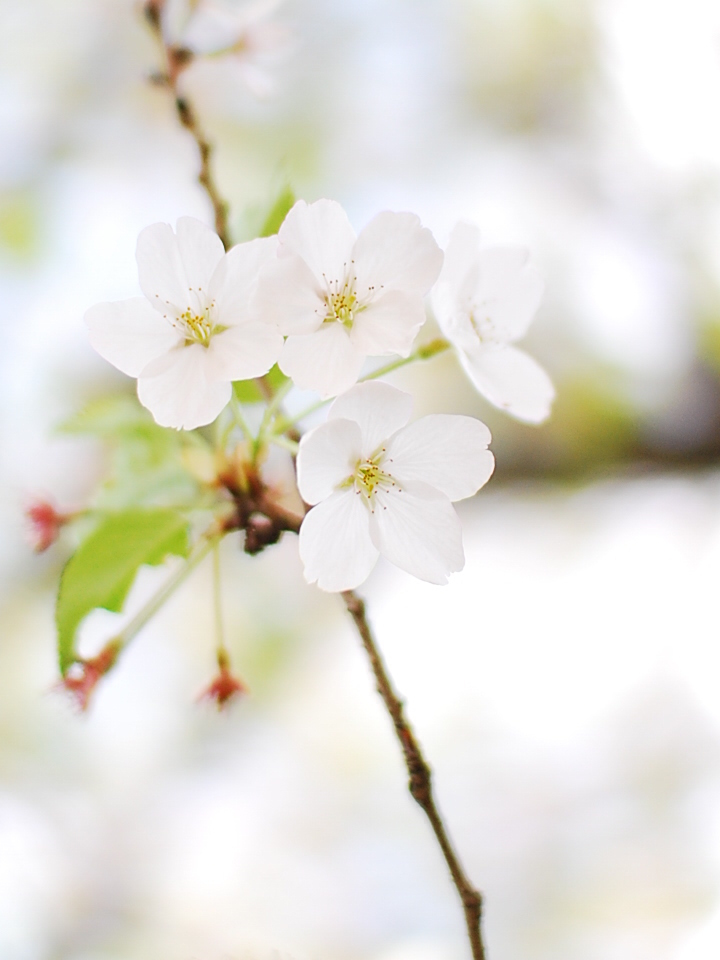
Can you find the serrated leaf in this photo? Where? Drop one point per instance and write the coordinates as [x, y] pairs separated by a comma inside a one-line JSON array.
[[104, 567], [247, 391], [279, 210]]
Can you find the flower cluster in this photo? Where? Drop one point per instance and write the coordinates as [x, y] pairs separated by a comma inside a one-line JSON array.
[[318, 300]]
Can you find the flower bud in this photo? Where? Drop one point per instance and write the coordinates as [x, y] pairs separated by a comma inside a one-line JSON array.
[[83, 676], [225, 686], [45, 524]]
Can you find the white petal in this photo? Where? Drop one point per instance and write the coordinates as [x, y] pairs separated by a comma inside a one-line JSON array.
[[177, 391], [511, 380], [235, 279], [396, 252], [243, 351], [321, 234], [460, 257], [447, 451], [327, 456], [459, 329], [160, 268], [389, 324], [201, 250], [326, 360], [335, 545], [289, 296], [129, 334], [173, 269], [419, 531], [378, 408], [508, 292]]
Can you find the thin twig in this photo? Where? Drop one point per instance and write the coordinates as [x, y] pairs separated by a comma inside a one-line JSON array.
[[266, 528], [186, 116], [148, 611], [420, 784], [176, 60]]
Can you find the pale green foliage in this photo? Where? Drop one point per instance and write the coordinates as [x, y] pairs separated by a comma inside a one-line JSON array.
[[277, 213], [104, 567], [146, 463], [248, 391]]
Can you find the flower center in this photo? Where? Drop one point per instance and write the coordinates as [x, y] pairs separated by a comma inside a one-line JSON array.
[[482, 324], [340, 308], [198, 328], [369, 477], [341, 302]]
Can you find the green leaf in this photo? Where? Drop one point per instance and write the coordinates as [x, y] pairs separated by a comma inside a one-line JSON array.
[[247, 391], [104, 567], [278, 212], [146, 466], [109, 417]]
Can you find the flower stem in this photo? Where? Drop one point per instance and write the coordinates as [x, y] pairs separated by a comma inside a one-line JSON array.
[[273, 407], [420, 774], [176, 60], [240, 421], [146, 613], [217, 603], [281, 426], [422, 353], [286, 443]]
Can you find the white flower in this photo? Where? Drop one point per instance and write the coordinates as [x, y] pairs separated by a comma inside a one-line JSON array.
[[484, 301], [196, 329], [382, 487], [246, 31], [341, 298]]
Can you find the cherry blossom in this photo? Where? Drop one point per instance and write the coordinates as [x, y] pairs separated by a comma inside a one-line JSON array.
[[341, 298], [196, 330], [381, 486], [484, 301], [248, 32]]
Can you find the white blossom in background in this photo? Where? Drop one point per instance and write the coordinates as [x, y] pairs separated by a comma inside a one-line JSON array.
[[248, 32], [484, 301], [195, 330], [381, 487], [341, 298]]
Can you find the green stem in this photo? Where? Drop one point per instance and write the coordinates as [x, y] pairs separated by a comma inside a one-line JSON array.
[[425, 352], [287, 422], [285, 442], [270, 411], [223, 435], [240, 419], [147, 612], [422, 353], [217, 601]]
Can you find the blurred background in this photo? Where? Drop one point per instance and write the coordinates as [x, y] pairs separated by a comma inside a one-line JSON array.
[[566, 685]]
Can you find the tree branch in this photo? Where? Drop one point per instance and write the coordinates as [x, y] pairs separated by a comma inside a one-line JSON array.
[[186, 116], [176, 60], [420, 783]]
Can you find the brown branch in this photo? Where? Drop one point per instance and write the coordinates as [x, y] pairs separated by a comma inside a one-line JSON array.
[[264, 521], [177, 59], [186, 116], [420, 784]]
